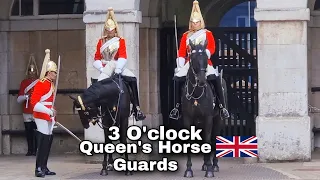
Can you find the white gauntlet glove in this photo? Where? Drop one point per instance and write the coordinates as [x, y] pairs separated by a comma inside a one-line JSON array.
[[22, 98], [180, 62], [121, 62], [98, 65]]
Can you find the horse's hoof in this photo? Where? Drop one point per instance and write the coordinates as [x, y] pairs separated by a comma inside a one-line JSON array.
[[204, 168], [216, 168], [104, 172], [209, 174], [110, 167], [188, 174], [129, 173]]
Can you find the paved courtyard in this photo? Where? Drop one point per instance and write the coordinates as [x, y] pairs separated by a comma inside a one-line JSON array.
[[73, 167]]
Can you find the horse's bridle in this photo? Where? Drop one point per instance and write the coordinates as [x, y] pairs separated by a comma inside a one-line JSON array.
[[190, 95]]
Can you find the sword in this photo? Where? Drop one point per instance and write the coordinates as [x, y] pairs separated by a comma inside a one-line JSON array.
[[176, 34], [54, 99], [68, 131]]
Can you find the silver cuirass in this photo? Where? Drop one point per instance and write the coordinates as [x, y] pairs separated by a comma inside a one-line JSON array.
[[199, 39], [110, 51]]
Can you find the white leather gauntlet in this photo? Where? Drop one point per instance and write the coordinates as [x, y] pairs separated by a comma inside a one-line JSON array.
[[43, 109], [98, 65], [180, 62]]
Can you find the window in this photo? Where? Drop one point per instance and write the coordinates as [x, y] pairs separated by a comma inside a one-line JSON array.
[[317, 5], [22, 8], [46, 7], [242, 21]]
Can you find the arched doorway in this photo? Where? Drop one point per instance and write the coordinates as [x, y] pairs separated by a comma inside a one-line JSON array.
[[236, 42]]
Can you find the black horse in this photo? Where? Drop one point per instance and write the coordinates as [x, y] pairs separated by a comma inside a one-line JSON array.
[[108, 100], [198, 107]]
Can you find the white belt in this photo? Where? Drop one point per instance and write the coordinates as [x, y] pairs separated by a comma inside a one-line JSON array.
[[46, 103], [106, 61]]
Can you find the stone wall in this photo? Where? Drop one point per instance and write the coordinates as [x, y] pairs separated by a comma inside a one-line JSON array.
[[70, 45], [283, 125], [314, 68]]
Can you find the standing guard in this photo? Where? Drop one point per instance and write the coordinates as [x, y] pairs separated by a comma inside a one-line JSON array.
[[26, 88], [198, 35], [111, 57], [44, 114]]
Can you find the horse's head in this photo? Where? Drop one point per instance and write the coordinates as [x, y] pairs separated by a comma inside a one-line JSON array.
[[86, 112], [199, 61]]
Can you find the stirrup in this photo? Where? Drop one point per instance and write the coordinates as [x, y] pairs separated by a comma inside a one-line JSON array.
[[224, 113], [140, 116], [174, 113]]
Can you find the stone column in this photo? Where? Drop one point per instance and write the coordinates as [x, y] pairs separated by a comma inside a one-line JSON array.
[[4, 97], [283, 124], [150, 73], [128, 17]]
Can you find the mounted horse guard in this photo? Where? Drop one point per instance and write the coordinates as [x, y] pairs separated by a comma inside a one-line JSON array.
[[26, 88], [198, 35], [111, 58], [107, 101]]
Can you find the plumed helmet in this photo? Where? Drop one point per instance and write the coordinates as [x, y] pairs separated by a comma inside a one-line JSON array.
[[111, 23], [196, 15], [32, 66], [48, 65]]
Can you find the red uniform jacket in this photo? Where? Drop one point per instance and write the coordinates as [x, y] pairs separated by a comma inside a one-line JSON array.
[[184, 49], [122, 52], [23, 85], [42, 93]]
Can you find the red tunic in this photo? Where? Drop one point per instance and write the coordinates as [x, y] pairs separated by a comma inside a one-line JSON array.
[[23, 85], [184, 49], [41, 89], [122, 52]]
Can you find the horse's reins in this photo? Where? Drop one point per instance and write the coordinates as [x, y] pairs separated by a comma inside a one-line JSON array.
[[188, 95], [117, 109]]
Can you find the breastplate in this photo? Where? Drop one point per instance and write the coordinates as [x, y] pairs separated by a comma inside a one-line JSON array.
[[111, 50], [200, 39]]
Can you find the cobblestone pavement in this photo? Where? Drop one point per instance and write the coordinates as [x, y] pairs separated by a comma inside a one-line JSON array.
[[73, 167]]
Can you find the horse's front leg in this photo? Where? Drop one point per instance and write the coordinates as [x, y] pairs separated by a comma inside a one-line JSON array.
[[123, 139], [214, 149], [188, 173], [207, 131], [216, 131], [216, 128], [104, 171], [110, 163]]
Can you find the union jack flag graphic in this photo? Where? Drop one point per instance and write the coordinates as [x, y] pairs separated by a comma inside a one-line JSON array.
[[236, 146]]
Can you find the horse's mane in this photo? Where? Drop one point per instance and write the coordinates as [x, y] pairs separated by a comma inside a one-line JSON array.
[[102, 91]]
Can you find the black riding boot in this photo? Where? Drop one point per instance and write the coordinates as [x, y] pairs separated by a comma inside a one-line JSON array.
[[136, 105], [35, 146], [42, 144], [30, 137], [218, 89], [47, 151], [175, 112]]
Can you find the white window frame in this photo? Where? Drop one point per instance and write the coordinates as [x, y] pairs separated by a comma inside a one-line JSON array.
[[37, 16]]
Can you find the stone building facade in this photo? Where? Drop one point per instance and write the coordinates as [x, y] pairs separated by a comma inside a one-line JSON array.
[[288, 33]]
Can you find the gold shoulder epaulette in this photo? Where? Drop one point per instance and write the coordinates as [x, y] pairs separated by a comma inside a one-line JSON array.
[[43, 79]]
